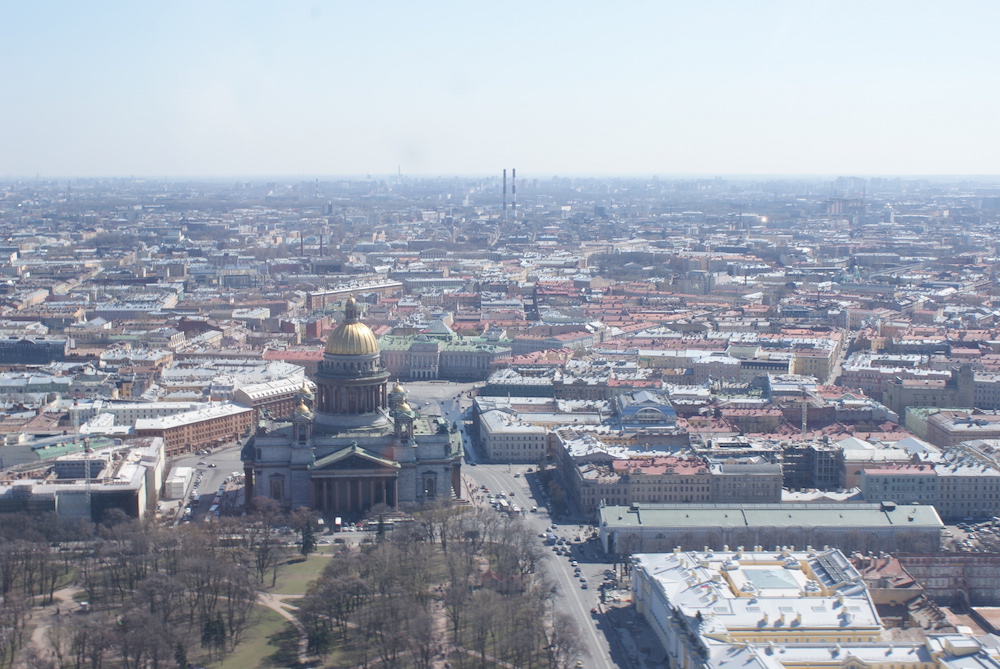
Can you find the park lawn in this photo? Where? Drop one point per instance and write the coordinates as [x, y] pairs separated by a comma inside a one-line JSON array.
[[294, 578], [257, 644], [67, 579]]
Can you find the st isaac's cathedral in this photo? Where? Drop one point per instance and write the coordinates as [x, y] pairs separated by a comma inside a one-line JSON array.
[[353, 444]]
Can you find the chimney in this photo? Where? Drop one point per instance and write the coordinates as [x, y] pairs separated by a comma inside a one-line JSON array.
[[513, 193], [505, 194]]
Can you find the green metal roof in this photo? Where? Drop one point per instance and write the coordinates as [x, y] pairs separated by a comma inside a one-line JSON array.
[[698, 516], [353, 449]]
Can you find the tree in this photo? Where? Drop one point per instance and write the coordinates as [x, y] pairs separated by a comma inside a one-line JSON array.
[[161, 593], [303, 521], [484, 614], [308, 544], [180, 656], [558, 496], [421, 640], [38, 658], [213, 635], [259, 538], [239, 596], [565, 643], [90, 640], [142, 640], [381, 622]]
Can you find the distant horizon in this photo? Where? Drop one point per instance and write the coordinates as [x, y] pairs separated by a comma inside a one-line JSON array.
[[256, 88], [498, 175]]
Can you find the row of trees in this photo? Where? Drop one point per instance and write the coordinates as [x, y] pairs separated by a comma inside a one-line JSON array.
[[31, 569], [454, 580], [458, 581], [156, 594]]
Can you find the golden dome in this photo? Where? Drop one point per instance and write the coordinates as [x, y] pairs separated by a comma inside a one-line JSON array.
[[302, 409], [405, 407], [397, 389], [351, 337]]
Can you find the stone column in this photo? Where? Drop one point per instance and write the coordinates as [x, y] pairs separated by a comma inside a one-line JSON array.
[[248, 487]]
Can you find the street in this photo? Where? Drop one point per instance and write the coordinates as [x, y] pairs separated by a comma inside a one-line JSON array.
[[570, 597], [226, 461]]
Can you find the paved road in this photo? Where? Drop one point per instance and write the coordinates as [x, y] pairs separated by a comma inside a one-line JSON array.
[[570, 597], [226, 461]]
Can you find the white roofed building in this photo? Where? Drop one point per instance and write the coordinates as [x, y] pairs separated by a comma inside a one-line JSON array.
[[770, 609]]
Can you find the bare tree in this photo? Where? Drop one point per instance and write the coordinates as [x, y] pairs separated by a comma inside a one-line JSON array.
[[565, 643], [90, 640], [422, 643], [483, 621], [239, 598], [34, 657], [259, 534], [457, 590], [161, 594], [382, 624]]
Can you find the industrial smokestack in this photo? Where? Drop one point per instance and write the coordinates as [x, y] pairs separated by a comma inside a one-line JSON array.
[[513, 193], [505, 194]]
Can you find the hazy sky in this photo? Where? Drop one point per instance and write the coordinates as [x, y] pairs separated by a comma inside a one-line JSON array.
[[171, 88]]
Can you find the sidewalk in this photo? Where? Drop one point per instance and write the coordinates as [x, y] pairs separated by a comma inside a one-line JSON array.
[[629, 631], [277, 603]]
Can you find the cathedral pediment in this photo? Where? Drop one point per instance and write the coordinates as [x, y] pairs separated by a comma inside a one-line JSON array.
[[352, 458]]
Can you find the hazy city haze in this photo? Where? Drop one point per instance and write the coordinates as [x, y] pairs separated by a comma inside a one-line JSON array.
[[295, 88]]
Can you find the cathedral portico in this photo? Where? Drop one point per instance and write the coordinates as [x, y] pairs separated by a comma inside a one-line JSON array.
[[344, 495]]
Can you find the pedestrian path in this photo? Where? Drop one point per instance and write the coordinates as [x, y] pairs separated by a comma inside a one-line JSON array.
[[276, 602]]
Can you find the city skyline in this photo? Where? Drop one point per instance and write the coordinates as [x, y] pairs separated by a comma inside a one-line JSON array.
[[257, 90]]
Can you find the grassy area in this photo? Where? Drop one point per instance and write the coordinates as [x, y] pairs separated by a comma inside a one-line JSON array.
[[263, 645], [294, 578], [329, 549], [67, 579]]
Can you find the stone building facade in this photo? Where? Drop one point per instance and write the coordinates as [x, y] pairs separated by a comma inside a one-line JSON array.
[[353, 444]]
